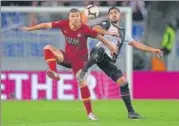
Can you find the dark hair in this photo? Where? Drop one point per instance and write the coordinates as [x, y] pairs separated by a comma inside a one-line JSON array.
[[73, 10], [113, 8]]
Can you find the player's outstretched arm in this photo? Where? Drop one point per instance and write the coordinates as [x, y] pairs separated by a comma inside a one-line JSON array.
[[37, 27], [109, 44], [92, 33], [102, 31], [143, 47]]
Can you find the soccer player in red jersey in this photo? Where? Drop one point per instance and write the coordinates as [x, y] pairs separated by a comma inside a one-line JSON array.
[[76, 52]]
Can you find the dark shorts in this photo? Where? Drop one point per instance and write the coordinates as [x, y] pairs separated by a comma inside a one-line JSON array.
[[109, 67]]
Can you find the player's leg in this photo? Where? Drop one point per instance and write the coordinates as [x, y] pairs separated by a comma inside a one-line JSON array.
[[96, 56], [84, 90], [125, 94], [66, 61], [116, 75], [66, 65], [51, 55]]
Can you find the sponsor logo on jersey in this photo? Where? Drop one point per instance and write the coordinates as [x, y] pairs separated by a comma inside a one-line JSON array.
[[72, 41]]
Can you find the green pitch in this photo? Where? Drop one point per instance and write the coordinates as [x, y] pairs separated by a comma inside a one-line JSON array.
[[71, 113]]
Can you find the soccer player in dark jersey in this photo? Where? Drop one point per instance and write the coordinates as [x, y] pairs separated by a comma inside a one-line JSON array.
[[105, 59], [76, 53]]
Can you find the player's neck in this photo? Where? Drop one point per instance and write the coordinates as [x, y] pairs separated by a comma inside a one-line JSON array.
[[74, 27], [117, 23]]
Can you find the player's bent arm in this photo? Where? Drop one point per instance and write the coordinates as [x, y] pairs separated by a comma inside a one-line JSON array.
[[141, 46], [37, 27], [111, 46], [100, 30], [84, 18]]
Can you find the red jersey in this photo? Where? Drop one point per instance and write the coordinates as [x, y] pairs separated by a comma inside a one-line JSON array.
[[76, 41]]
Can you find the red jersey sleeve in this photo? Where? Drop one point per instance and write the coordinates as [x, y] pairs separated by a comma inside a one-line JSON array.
[[90, 32], [58, 24]]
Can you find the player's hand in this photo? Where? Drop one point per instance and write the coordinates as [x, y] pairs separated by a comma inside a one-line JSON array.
[[113, 48], [24, 28], [114, 34], [157, 52]]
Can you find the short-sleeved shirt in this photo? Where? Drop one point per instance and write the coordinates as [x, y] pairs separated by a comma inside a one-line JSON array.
[[116, 40], [76, 51], [76, 41]]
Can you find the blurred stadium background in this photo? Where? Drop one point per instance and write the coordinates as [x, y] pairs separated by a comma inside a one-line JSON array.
[[23, 69]]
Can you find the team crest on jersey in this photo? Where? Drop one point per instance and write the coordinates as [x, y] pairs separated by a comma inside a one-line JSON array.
[[79, 35]]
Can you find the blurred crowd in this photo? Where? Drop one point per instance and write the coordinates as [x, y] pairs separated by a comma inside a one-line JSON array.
[[139, 7], [150, 23]]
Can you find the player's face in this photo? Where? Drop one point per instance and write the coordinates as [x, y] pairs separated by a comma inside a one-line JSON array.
[[74, 18], [114, 16]]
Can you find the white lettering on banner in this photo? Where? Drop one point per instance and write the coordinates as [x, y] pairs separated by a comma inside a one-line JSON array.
[[39, 86], [62, 86], [3, 96], [35, 86], [91, 82], [18, 83]]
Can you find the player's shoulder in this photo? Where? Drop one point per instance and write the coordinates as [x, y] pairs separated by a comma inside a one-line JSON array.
[[105, 24], [85, 26], [61, 22], [64, 23]]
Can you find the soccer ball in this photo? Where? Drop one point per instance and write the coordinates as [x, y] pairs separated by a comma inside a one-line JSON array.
[[91, 11]]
